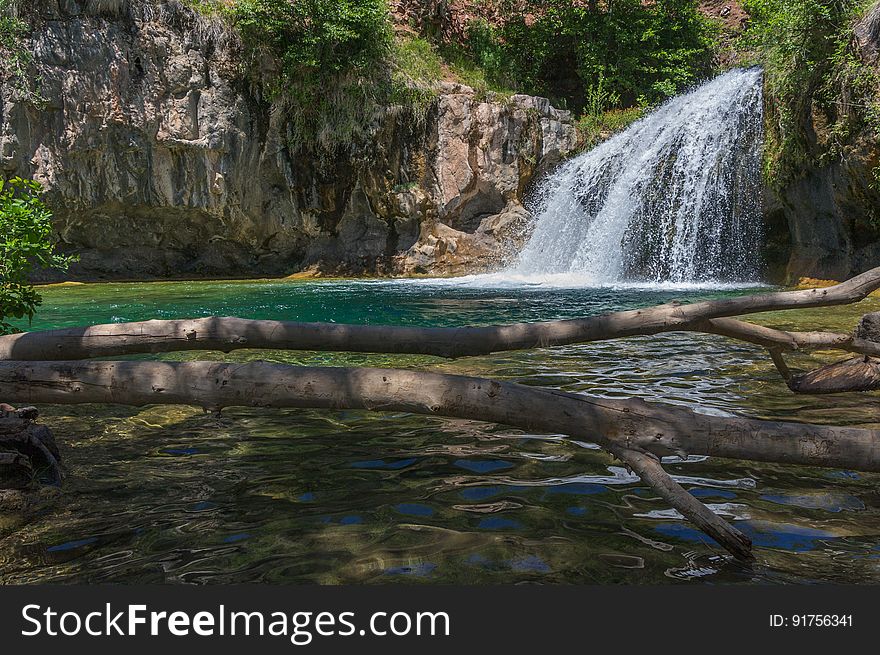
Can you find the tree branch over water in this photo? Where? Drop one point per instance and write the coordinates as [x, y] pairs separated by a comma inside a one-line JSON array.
[[633, 429], [228, 333], [42, 367]]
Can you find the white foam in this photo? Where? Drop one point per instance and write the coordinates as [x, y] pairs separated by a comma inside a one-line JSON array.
[[673, 200], [513, 280]]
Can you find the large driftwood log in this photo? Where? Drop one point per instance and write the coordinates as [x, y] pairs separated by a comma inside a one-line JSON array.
[[226, 334], [632, 423], [639, 432]]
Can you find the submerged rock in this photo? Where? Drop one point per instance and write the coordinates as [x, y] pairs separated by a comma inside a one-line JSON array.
[[869, 327], [27, 449]]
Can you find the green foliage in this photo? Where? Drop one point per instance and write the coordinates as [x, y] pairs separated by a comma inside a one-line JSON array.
[[599, 98], [485, 56], [15, 59], [418, 59], [592, 127], [821, 91], [328, 61], [330, 54], [25, 242], [472, 73], [640, 51], [416, 69], [316, 38], [335, 64]]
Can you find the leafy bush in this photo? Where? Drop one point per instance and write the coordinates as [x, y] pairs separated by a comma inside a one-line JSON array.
[[811, 69], [641, 52], [25, 241], [465, 69], [15, 59], [327, 60], [418, 59], [316, 38], [599, 98], [416, 69]]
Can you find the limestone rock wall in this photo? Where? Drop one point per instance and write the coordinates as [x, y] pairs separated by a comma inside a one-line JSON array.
[[826, 223], [161, 159]]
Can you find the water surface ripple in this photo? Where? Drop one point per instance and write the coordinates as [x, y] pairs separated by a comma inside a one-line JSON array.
[[174, 495]]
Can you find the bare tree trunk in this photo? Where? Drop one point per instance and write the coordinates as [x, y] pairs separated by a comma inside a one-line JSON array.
[[632, 423], [631, 428], [226, 334]]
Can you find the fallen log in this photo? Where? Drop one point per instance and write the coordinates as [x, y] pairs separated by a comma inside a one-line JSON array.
[[649, 470], [229, 333], [855, 374], [630, 423], [622, 426], [783, 340]]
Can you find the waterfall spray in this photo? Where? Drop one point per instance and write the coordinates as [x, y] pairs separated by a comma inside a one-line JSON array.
[[674, 198]]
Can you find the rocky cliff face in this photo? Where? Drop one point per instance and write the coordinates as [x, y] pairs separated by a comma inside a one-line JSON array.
[[161, 160], [824, 225], [826, 222]]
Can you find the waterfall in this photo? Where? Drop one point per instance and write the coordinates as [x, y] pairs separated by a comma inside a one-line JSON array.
[[674, 198]]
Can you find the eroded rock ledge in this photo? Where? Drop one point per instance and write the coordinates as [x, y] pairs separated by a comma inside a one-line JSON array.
[[161, 160]]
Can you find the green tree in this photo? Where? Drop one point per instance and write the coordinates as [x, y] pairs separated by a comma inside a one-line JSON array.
[[315, 38], [330, 62], [641, 52], [25, 242]]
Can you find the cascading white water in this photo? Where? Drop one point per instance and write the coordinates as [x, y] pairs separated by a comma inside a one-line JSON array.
[[674, 198]]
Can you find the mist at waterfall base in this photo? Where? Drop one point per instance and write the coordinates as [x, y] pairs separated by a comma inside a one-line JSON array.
[[674, 201]]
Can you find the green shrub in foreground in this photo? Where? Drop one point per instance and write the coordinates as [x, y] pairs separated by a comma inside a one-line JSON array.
[[25, 242]]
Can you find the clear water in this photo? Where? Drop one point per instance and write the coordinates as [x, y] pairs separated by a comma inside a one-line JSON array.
[[675, 197], [169, 494]]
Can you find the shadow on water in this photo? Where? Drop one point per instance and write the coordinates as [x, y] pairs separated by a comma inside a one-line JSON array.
[[171, 494]]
